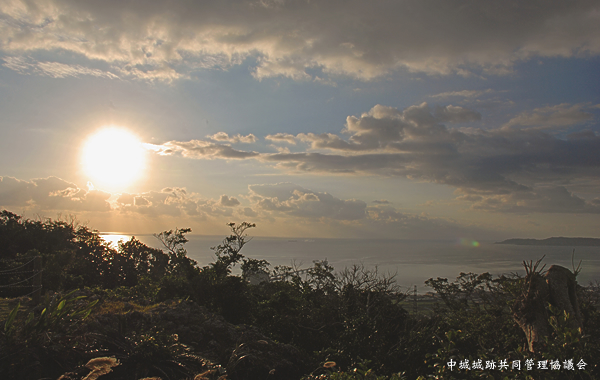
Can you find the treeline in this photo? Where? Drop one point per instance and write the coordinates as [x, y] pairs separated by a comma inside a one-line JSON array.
[[129, 303]]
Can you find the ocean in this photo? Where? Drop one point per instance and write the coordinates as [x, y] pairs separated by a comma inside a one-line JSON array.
[[412, 261]]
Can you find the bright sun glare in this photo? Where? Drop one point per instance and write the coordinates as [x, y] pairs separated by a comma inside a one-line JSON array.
[[113, 158]]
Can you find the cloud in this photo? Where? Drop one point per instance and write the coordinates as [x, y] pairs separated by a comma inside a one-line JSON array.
[[349, 217], [171, 201], [249, 212], [388, 221], [55, 194], [463, 93], [507, 170], [381, 202], [384, 164], [553, 199], [27, 65], [141, 201], [156, 72], [456, 114], [280, 149], [294, 200], [387, 128], [14, 191], [168, 40], [228, 202], [586, 134], [126, 199], [503, 169], [492, 163], [280, 203], [282, 137], [551, 117], [51, 193], [177, 202], [222, 136], [199, 149]]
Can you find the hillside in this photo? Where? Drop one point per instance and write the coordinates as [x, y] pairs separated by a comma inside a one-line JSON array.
[[555, 241]]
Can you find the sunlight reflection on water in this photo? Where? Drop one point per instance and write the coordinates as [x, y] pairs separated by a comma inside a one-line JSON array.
[[414, 261], [113, 239]]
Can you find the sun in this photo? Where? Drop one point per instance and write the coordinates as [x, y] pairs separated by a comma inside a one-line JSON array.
[[113, 158]]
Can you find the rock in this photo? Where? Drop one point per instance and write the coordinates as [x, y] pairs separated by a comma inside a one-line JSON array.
[[557, 287]]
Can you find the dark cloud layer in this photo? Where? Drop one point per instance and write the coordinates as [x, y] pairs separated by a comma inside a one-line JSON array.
[[511, 169], [363, 39], [551, 117]]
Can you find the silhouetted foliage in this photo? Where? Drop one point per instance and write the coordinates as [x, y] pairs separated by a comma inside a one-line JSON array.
[[353, 320], [75, 256]]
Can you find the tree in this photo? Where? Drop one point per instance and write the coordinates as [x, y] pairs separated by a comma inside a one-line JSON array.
[[228, 252], [144, 260], [179, 263]]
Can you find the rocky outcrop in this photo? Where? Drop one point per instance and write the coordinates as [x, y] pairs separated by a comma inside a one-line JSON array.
[[557, 288]]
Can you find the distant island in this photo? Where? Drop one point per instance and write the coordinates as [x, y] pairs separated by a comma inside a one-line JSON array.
[[557, 241]]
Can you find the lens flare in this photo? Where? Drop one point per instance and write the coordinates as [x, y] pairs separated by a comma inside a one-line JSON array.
[[468, 242]]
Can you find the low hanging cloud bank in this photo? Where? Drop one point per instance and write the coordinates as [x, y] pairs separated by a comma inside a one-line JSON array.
[[54, 194], [519, 167], [286, 38], [51, 193], [291, 199], [276, 205], [353, 217]]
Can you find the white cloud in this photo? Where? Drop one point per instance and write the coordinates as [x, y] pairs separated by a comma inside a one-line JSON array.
[[222, 136], [27, 65], [282, 137]]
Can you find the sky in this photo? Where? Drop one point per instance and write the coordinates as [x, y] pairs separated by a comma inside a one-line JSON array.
[[347, 119]]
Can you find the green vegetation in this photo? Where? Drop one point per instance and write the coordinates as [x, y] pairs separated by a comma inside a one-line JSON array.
[[138, 312]]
